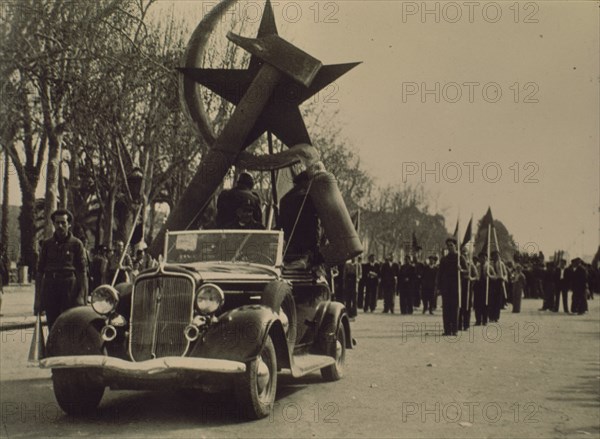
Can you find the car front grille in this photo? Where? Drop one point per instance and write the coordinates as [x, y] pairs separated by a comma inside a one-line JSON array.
[[161, 308]]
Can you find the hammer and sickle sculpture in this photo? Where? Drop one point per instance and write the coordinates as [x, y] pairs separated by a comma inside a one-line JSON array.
[[267, 95]]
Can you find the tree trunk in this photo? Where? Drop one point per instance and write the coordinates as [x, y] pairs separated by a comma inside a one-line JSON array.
[[51, 184], [27, 226], [4, 225]]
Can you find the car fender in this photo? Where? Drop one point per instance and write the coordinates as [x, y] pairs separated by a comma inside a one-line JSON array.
[[278, 296], [76, 332], [240, 334], [334, 312]]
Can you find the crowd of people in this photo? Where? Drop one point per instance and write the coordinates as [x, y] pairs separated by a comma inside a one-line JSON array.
[[486, 287]]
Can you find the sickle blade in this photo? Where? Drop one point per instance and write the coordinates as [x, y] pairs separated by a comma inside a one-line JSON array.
[[189, 90]]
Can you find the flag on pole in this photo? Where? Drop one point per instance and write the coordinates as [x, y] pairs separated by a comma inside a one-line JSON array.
[[455, 234], [487, 219], [468, 233]]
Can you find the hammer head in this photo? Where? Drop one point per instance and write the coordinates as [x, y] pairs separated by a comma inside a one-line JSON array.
[[285, 57]]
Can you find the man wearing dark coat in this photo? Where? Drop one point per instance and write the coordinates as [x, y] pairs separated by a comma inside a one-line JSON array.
[[406, 280], [300, 222], [388, 274], [351, 274], [448, 285], [371, 276], [428, 277], [230, 199], [496, 293], [61, 276], [579, 284], [561, 286], [417, 278], [483, 286]]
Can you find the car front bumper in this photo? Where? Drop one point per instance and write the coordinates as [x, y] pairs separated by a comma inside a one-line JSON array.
[[145, 369]]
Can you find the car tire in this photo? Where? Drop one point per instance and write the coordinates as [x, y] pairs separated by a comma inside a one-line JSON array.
[[335, 347], [77, 391], [256, 388]]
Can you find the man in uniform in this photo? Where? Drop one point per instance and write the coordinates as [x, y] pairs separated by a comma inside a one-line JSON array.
[[352, 273], [417, 279], [428, 277], [300, 223], [482, 290], [579, 284], [561, 286], [406, 281], [388, 272], [371, 275], [497, 287], [229, 200], [361, 284], [61, 276], [448, 285]]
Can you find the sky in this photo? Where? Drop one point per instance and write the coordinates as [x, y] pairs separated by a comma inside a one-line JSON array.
[[484, 103]]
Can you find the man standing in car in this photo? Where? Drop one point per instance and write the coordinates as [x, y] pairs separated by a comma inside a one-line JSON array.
[[61, 281]]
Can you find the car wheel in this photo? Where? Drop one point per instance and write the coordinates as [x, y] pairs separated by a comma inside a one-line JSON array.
[[256, 388], [335, 347], [77, 391]]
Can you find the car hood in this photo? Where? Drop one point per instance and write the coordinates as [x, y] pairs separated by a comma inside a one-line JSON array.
[[216, 271]]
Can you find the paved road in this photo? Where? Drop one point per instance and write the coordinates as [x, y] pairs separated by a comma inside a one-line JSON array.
[[533, 375]]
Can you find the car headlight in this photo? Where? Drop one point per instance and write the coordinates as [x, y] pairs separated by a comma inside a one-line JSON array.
[[104, 299], [209, 299]]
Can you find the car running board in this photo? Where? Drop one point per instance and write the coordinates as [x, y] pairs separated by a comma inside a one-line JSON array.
[[307, 363]]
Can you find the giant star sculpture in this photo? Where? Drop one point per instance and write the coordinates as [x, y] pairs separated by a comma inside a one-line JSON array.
[[281, 116]]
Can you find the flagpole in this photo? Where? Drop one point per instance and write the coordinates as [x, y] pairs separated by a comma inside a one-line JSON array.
[[487, 268], [500, 266], [469, 262], [458, 270]]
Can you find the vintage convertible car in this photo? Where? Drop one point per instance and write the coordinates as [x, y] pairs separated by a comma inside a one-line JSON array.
[[221, 311]]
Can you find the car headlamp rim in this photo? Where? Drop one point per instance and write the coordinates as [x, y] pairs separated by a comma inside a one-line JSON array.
[[207, 302], [104, 299]]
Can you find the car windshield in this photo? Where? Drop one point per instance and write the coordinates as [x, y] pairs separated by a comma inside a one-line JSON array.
[[249, 246]]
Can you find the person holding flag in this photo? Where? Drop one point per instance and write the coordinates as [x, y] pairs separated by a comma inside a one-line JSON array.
[[484, 271], [499, 276], [448, 284], [468, 275]]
